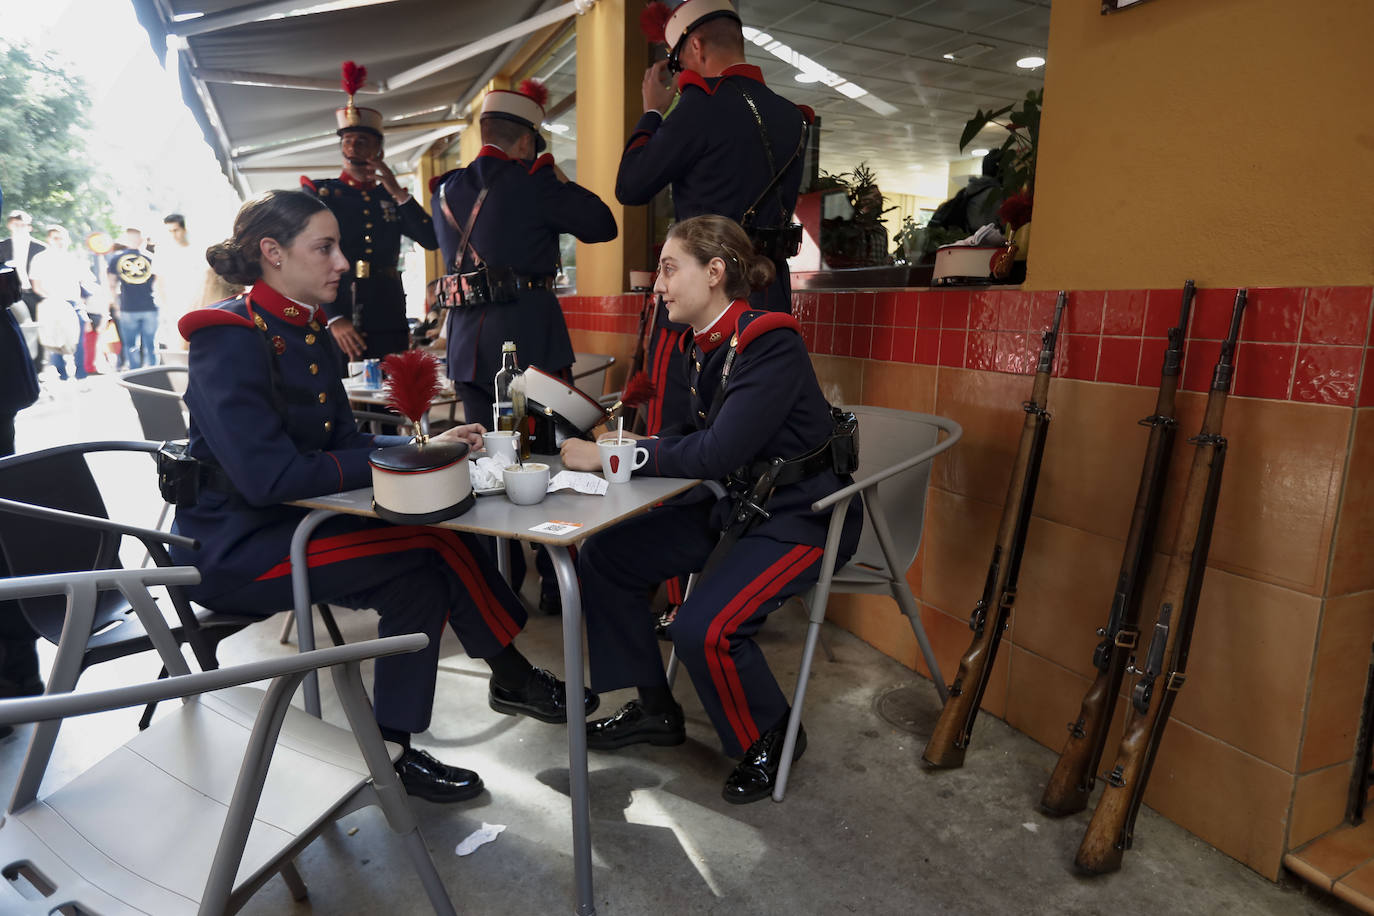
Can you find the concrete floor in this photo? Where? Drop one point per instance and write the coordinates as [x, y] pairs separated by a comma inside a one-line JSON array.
[[864, 828]]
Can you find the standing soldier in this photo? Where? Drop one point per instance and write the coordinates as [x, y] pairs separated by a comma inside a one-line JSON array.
[[498, 224], [368, 319], [732, 147]]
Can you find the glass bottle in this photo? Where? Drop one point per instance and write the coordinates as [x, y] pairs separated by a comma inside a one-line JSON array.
[[509, 410]]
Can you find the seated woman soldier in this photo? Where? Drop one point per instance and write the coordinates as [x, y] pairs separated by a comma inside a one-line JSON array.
[[755, 398], [270, 422]]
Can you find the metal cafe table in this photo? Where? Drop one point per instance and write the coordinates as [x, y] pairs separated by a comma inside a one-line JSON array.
[[565, 519]]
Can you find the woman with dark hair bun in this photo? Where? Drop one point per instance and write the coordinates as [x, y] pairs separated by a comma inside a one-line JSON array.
[[270, 422], [755, 398]]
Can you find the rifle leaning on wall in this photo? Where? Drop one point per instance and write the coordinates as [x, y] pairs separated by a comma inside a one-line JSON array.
[[1073, 778], [647, 312], [950, 738], [1113, 824]]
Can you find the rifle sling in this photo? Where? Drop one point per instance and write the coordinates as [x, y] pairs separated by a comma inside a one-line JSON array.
[[784, 215]]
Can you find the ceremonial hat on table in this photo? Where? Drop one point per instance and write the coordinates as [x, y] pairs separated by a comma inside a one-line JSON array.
[[524, 105], [351, 116]]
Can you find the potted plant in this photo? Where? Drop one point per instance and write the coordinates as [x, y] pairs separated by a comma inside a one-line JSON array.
[[859, 240], [1016, 165]]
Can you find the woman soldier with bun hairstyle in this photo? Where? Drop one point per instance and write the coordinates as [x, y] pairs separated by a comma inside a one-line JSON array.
[[755, 398], [270, 422]]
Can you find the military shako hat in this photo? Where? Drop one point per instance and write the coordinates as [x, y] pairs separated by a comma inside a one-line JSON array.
[[523, 105], [352, 117]]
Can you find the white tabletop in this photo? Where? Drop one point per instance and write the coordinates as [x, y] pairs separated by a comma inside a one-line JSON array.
[[498, 516]]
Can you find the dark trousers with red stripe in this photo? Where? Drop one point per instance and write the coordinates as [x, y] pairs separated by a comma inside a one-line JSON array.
[[714, 629], [417, 578]]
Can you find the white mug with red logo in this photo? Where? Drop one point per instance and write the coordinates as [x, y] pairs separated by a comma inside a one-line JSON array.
[[620, 457]]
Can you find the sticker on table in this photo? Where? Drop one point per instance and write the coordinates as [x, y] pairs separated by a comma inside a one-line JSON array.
[[553, 526]]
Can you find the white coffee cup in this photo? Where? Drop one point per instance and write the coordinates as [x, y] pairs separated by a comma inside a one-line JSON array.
[[620, 457], [355, 372], [526, 484], [503, 445]]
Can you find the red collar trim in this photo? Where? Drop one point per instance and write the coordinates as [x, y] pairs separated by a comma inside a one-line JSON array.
[[274, 303], [355, 183], [709, 84], [723, 328], [492, 152]]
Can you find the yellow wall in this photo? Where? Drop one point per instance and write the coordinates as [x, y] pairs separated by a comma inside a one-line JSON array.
[[611, 57], [1229, 141]]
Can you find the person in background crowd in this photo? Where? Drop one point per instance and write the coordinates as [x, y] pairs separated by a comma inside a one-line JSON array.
[[181, 269], [135, 287], [18, 251], [730, 145], [975, 205], [525, 202], [18, 389], [261, 363], [59, 276], [368, 317], [755, 398]]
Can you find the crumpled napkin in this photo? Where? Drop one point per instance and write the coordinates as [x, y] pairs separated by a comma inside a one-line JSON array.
[[485, 473], [479, 837], [986, 235], [579, 482]]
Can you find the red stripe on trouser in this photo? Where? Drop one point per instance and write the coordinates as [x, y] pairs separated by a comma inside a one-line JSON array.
[[674, 586], [447, 544], [724, 675]]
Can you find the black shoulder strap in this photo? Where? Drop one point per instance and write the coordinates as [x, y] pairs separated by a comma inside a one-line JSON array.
[[785, 215]]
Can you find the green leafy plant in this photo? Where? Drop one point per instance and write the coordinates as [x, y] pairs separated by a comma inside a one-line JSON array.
[[1022, 124], [861, 240]]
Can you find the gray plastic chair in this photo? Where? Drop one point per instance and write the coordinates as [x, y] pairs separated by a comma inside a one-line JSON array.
[[199, 811], [896, 448]]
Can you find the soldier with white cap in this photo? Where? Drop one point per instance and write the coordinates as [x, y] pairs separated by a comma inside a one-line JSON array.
[[368, 319]]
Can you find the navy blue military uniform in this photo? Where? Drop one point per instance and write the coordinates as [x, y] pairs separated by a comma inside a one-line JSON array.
[[770, 406], [275, 434], [371, 224], [710, 150], [524, 212]]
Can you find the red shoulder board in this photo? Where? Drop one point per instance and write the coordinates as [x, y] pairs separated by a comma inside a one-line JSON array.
[[544, 161], [692, 78], [753, 325], [308, 184], [437, 180], [808, 113], [196, 319]]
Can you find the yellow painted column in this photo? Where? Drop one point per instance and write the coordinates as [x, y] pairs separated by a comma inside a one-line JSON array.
[[611, 57]]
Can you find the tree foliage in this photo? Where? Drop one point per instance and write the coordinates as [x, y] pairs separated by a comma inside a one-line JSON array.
[[45, 163]]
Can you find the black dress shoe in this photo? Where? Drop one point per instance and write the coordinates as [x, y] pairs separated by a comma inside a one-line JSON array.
[[427, 778], [543, 697], [633, 724], [757, 773]]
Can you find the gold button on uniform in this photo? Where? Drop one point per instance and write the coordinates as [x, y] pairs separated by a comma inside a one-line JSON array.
[[367, 238], [367, 225], [314, 325], [314, 369], [310, 338], [322, 397], [328, 425]]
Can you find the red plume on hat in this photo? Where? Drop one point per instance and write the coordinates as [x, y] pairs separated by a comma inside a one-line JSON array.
[[353, 77], [535, 91], [653, 21], [412, 381]]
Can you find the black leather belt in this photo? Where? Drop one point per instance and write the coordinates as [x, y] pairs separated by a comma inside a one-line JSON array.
[[487, 286]]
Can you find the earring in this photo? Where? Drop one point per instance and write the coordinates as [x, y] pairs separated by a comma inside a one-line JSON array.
[[277, 265]]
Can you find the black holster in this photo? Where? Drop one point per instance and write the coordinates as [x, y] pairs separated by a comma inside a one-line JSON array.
[[178, 474], [778, 243]]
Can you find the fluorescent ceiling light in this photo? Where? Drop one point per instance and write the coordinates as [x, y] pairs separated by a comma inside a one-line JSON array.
[[967, 51], [817, 73], [805, 77], [1031, 62], [555, 128], [979, 152]]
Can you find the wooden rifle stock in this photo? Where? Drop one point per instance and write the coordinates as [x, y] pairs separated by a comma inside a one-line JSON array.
[[950, 738], [1112, 827], [631, 412], [1072, 781]]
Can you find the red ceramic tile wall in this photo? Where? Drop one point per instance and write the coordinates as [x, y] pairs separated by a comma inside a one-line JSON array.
[[1297, 343]]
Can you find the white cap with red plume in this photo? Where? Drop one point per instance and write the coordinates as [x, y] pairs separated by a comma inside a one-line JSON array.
[[524, 105]]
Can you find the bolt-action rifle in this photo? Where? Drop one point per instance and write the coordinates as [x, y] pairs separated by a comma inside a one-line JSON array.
[[1112, 828], [991, 614], [1073, 778]]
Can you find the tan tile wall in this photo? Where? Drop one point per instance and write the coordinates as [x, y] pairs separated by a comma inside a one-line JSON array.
[[1277, 667]]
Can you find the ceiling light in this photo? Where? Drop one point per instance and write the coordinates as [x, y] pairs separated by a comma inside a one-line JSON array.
[[808, 67], [801, 77], [556, 128], [841, 122], [979, 152], [1031, 62], [967, 51]]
